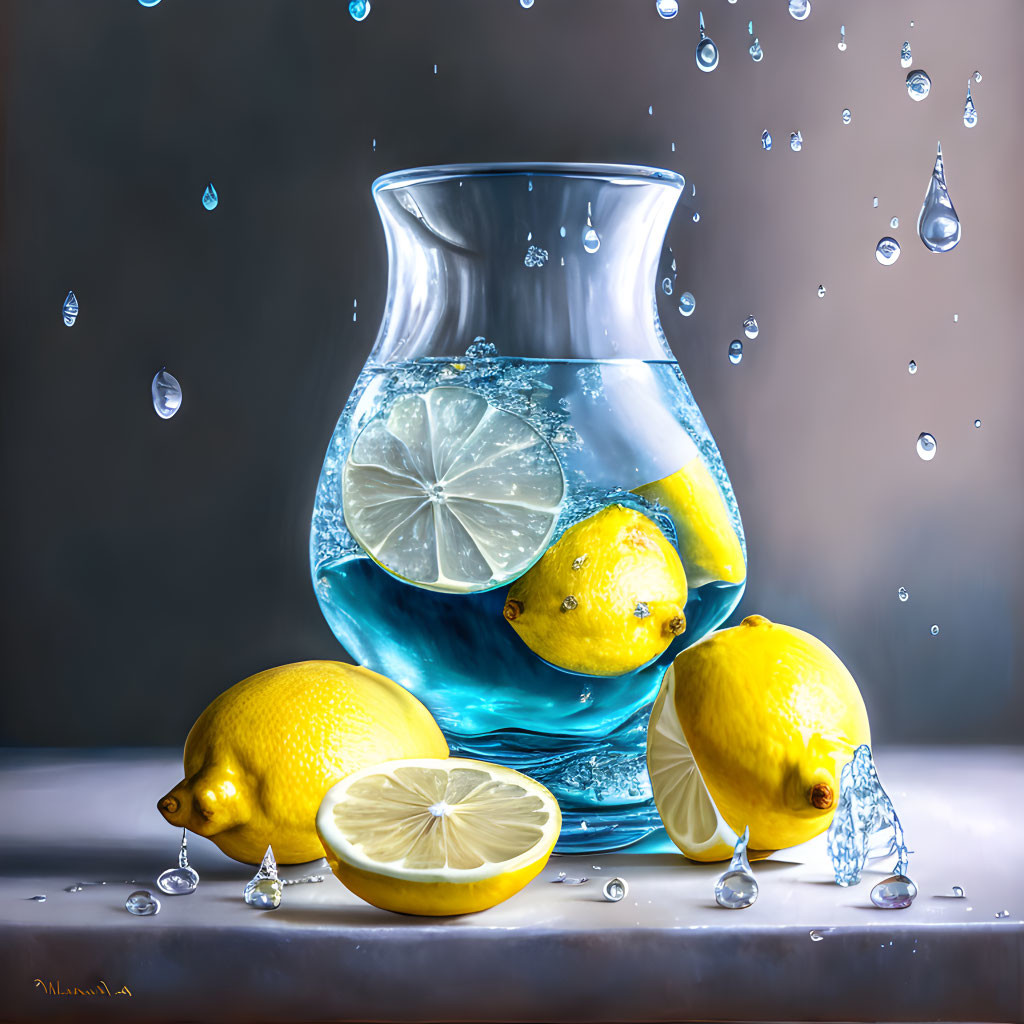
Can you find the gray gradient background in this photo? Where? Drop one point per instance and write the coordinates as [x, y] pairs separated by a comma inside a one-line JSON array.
[[147, 565]]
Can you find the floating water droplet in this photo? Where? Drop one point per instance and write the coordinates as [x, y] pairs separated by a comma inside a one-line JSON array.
[[1002, 913], [918, 85], [666, 285], [894, 893], [696, 218], [263, 890], [36, 899], [912, 366], [977, 423], [755, 51], [360, 9], [142, 903], [650, 110], [970, 113], [736, 888], [821, 291], [615, 889], [750, 328], [894, 223], [735, 351], [977, 76], [903, 594], [70, 310], [561, 231], [569, 879], [934, 630], [166, 395], [210, 197], [905, 56], [847, 116], [687, 304], [707, 52], [874, 202], [591, 239], [796, 141], [842, 38], [938, 225], [667, 8], [766, 139], [958, 892], [926, 447], [183, 879], [800, 9], [887, 252]]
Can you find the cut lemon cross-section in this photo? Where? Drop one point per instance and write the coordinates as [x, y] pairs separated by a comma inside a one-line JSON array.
[[437, 837], [449, 492]]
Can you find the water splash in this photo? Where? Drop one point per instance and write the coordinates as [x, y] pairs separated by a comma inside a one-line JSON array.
[[735, 351], [906, 59], [70, 310], [183, 879], [707, 52], [841, 45], [263, 890], [166, 393], [615, 889], [142, 903], [887, 252], [800, 9], [687, 304], [535, 257], [918, 85], [736, 888], [667, 8], [766, 140], [210, 197], [938, 225], [926, 446], [970, 113], [796, 141], [750, 328], [360, 9]]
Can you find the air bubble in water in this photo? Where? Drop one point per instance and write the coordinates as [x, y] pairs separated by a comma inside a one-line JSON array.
[[687, 304], [970, 114], [938, 225], [905, 56], [800, 9], [166, 393], [918, 85], [796, 141], [666, 8], [847, 116], [707, 52], [735, 351], [887, 252], [70, 310], [360, 9], [750, 328], [926, 447], [903, 594], [210, 197], [142, 903], [766, 139]]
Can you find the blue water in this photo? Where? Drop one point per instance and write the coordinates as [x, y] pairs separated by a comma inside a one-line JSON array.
[[614, 426]]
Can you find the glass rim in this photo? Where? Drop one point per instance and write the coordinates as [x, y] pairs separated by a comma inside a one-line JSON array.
[[621, 173]]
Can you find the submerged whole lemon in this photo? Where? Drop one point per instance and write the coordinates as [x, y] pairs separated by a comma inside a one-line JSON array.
[[752, 728], [605, 599], [260, 758]]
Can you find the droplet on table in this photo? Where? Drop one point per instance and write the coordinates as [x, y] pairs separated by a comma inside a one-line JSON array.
[[970, 113], [938, 225], [707, 53], [800, 9], [166, 393], [36, 899], [912, 366], [565, 879], [615, 889], [821, 291], [926, 446], [736, 888], [906, 59], [766, 140], [896, 892], [750, 328], [958, 892], [70, 310], [183, 879], [887, 252], [735, 351], [263, 890], [934, 630], [687, 304], [667, 8], [796, 141], [903, 594], [142, 903], [360, 9], [918, 85], [210, 197]]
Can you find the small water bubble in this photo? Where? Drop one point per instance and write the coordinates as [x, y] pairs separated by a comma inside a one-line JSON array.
[[210, 197], [958, 892], [800, 9], [569, 604], [903, 594], [535, 257], [750, 328], [70, 310], [1002, 913], [934, 630], [896, 892], [918, 85], [687, 304], [667, 8], [735, 351], [142, 903], [926, 446], [263, 890], [796, 141], [615, 889], [847, 116], [166, 392], [970, 113], [707, 52], [938, 225], [842, 39], [905, 57], [977, 76], [736, 888], [912, 366], [977, 423], [887, 252], [359, 9], [36, 899], [821, 291], [183, 879], [766, 140]]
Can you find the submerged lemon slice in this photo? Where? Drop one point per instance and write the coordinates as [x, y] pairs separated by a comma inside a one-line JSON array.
[[451, 493], [437, 837]]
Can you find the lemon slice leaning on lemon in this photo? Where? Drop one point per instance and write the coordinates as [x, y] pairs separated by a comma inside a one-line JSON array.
[[437, 837], [451, 493]]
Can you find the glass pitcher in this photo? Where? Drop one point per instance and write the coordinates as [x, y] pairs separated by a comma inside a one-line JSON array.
[[520, 384]]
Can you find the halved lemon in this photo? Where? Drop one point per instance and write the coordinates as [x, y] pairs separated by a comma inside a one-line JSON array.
[[437, 837], [451, 493]]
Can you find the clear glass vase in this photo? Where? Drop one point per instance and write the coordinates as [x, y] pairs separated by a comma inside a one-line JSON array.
[[520, 382]]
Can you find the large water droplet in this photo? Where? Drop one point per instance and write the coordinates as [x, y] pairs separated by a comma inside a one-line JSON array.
[[912, 366], [183, 879], [766, 139], [707, 52], [750, 328], [142, 903], [847, 116], [938, 225], [887, 252], [970, 114], [926, 447], [903, 594], [796, 142], [687, 303], [905, 57], [894, 893], [918, 85], [615, 889], [166, 395], [360, 9], [736, 888], [800, 9], [735, 351], [667, 8], [210, 197], [263, 890], [70, 310]]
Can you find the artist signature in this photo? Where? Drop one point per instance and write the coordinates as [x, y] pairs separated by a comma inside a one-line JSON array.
[[58, 988]]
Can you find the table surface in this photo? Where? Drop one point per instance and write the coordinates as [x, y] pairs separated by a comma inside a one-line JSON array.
[[806, 950]]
